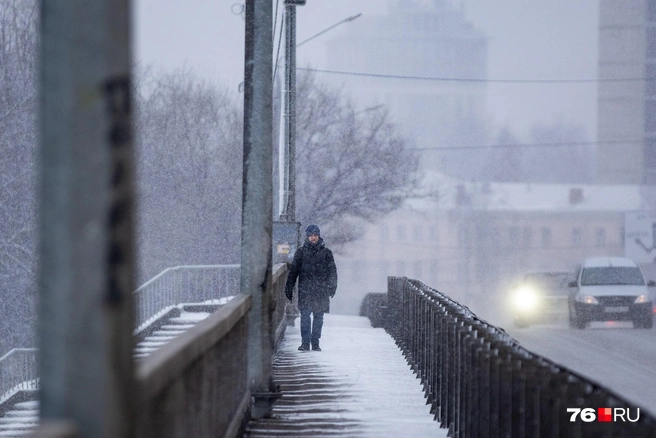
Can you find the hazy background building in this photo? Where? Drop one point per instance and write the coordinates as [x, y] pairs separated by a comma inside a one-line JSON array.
[[421, 39], [626, 152]]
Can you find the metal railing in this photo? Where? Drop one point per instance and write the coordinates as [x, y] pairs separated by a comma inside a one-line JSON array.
[[172, 286], [197, 384], [184, 284], [18, 372], [480, 382]]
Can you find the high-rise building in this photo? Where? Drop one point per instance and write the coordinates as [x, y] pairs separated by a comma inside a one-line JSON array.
[[626, 153], [428, 39]]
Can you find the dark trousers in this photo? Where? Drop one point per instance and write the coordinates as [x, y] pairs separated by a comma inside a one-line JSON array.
[[311, 330]]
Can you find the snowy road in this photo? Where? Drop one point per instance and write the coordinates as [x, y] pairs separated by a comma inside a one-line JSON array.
[[613, 354]]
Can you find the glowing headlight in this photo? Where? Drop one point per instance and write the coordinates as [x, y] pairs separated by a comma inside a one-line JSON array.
[[587, 299], [525, 299], [642, 299]]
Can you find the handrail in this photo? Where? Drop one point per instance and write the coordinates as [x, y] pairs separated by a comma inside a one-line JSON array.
[[200, 377], [182, 284], [18, 371], [479, 380], [175, 268], [172, 286], [158, 369], [197, 384]]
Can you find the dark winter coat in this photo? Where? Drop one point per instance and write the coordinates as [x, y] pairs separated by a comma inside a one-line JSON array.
[[314, 266]]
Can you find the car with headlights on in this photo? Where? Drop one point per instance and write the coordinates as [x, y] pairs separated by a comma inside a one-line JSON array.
[[540, 297], [610, 289]]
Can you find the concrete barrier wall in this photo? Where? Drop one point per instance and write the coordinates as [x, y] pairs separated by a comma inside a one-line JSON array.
[[281, 305], [197, 384]]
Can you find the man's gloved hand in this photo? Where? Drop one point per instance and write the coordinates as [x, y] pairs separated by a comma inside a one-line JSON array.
[[332, 294], [289, 295]]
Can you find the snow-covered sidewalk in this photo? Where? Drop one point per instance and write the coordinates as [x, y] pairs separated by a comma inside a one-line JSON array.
[[359, 386]]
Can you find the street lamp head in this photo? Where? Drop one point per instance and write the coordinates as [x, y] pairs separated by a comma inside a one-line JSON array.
[[294, 2]]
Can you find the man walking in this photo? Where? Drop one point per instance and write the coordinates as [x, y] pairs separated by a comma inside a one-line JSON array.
[[314, 266]]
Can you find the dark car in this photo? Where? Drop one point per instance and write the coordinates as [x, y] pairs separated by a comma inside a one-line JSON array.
[[540, 297]]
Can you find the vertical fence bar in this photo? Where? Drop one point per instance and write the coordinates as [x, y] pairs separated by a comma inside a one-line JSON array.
[[505, 393], [495, 363], [484, 388]]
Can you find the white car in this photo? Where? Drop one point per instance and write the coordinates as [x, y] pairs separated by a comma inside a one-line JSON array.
[[610, 289]]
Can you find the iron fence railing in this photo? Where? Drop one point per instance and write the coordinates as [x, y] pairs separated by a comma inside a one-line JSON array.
[[18, 372], [184, 284], [480, 382]]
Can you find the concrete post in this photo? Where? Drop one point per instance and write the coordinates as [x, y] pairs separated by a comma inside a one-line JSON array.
[[257, 206], [85, 219]]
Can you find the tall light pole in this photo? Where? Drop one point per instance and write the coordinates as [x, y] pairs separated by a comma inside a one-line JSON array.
[[287, 162], [288, 207], [286, 231], [346, 20]]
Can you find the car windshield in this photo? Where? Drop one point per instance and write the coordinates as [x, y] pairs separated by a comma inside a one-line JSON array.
[[549, 284], [612, 276]]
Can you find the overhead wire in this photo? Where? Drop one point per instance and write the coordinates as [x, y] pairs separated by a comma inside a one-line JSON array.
[[526, 145], [275, 22], [474, 147], [473, 80], [282, 25]]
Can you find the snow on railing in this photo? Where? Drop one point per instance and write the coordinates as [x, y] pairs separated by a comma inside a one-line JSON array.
[[18, 372], [172, 286], [183, 284]]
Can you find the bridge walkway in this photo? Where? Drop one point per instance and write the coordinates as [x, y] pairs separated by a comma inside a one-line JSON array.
[[359, 385]]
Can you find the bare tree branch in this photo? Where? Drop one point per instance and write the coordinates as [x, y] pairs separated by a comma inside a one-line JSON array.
[[351, 165]]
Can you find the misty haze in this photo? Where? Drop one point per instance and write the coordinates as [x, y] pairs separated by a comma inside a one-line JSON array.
[[501, 155]]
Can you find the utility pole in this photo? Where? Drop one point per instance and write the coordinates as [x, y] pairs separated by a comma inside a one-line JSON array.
[[286, 231], [288, 157], [86, 206], [257, 201]]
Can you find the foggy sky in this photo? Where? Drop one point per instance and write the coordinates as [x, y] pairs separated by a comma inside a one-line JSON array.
[[527, 40]]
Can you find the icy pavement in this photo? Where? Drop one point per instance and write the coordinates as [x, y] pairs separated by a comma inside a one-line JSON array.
[[359, 385]]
